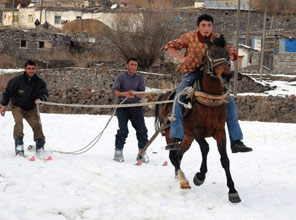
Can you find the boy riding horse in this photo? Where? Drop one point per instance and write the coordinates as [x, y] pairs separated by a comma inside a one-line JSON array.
[[195, 47]]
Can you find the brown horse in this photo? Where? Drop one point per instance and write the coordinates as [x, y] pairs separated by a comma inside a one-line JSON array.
[[204, 120]]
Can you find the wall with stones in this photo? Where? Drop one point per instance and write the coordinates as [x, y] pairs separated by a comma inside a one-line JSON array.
[[32, 44], [267, 108], [284, 63], [92, 86], [247, 84], [225, 21], [87, 86]]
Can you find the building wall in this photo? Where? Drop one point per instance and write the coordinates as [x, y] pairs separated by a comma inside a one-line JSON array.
[[245, 56], [7, 18], [65, 16], [33, 44], [27, 17], [284, 63]]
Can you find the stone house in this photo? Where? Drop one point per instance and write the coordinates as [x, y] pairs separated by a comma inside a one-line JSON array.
[[24, 44], [7, 17], [55, 16]]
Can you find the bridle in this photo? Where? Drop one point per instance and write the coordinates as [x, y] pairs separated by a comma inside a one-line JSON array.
[[212, 63]]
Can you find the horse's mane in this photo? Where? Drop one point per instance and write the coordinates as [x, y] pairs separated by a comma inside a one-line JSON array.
[[219, 41]]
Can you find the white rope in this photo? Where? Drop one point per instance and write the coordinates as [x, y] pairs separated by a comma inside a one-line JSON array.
[[93, 142], [106, 106], [152, 91], [186, 91]]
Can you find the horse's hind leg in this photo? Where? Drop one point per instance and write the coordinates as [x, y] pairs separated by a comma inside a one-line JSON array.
[[233, 195], [200, 177]]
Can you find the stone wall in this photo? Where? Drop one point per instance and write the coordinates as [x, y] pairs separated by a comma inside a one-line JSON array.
[[284, 63], [267, 108], [88, 86], [93, 86], [247, 84]]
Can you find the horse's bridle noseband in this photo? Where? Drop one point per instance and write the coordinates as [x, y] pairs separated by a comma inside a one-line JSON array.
[[212, 63]]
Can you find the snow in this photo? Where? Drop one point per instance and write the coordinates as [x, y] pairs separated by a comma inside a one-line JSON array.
[[92, 186], [3, 71]]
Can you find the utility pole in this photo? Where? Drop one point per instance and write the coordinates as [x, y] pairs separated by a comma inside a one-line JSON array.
[[248, 26], [41, 9], [12, 21], [263, 41], [237, 43]]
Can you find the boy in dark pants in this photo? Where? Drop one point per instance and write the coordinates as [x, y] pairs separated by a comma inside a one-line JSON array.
[[124, 86], [25, 91]]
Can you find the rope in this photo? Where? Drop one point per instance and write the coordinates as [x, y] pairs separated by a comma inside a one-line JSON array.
[[97, 138], [186, 91], [106, 106], [94, 141]]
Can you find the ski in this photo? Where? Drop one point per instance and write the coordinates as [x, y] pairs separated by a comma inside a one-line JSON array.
[[35, 157], [44, 156]]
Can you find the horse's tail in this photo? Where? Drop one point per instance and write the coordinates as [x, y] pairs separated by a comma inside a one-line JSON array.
[[156, 113]]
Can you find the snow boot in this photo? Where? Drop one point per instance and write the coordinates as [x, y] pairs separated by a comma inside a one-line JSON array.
[[118, 156], [40, 146], [19, 147]]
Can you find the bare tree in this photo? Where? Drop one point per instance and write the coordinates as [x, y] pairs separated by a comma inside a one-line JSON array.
[[142, 35], [23, 3]]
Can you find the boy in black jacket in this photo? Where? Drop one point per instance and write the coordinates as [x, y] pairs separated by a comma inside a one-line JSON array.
[[25, 91]]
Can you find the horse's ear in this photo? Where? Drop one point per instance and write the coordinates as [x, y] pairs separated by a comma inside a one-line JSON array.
[[208, 42], [220, 41]]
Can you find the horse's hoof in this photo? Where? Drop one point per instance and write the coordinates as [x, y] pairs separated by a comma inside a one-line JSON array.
[[234, 198], [196, 181], [185, 185]]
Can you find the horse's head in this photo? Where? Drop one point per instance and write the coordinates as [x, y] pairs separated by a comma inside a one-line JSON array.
[[217, 61]]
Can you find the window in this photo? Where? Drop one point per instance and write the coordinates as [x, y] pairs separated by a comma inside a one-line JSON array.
[[23, 44], [30, 18], [78, 17], [41, 44], [57, 19], [44, 45]]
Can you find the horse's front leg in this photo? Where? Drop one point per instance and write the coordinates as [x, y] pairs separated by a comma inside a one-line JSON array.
[[176, 159], [233, 195], [200, 177]]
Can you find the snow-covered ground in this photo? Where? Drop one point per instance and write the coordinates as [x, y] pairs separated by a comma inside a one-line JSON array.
[[92, 186], [2, 71]]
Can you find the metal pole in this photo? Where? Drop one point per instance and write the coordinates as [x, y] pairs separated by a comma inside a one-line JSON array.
[[263, 41], [237, 42], [12, 22]]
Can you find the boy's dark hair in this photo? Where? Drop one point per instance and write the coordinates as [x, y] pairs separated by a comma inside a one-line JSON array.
[[132, 59], [204, 17], [30, 62]]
